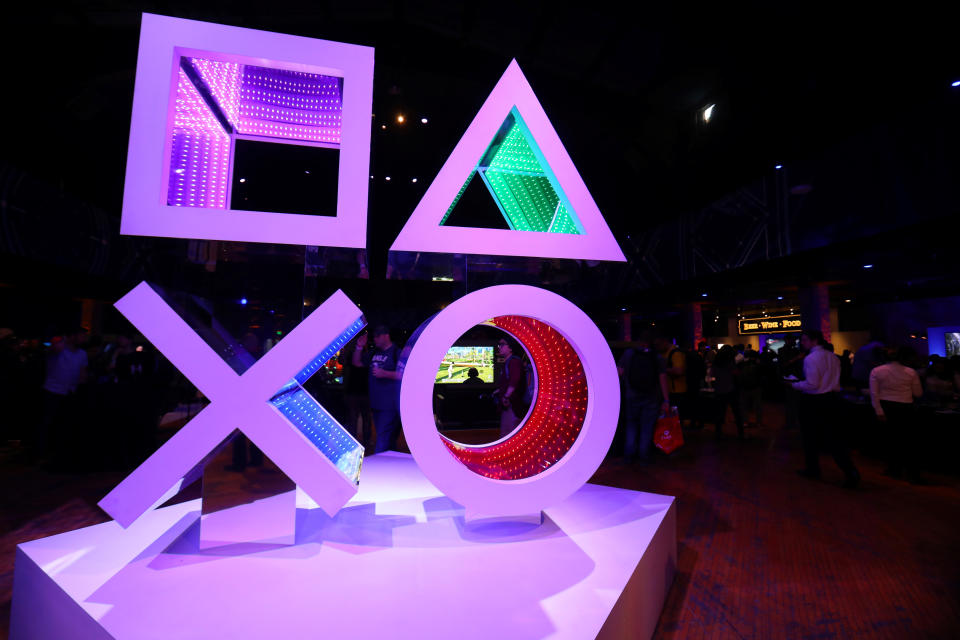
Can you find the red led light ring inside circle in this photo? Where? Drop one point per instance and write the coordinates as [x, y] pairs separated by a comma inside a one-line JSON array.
[[558, 412]]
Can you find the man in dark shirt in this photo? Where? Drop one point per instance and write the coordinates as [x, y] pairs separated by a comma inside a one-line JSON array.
[[358, 402], [645, 397], [511, 389], [386, 371]]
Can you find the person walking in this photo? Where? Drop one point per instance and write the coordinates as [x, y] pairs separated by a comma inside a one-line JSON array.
[[819, 406], [893, 388]]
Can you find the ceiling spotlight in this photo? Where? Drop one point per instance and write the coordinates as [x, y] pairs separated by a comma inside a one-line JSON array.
[[414, 181], [401, 119], [868, 266], [703, 295], [623, 309], [387, 178], [371, 177], [243, 179], [847, 300], [243, 301], [383, 126], [778, 167], [423, 121], [779, 297], [707, 113], [955, 84]]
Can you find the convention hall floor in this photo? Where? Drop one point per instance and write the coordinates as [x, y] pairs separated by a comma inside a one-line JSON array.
[[763, 553]]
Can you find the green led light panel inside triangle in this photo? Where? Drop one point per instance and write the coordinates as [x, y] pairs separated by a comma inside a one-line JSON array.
[[521, 183]]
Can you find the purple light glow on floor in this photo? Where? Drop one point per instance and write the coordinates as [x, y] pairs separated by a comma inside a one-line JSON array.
[[602, 558], [200, 153]]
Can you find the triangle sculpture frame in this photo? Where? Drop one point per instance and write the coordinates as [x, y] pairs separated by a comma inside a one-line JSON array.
[[424, 230]]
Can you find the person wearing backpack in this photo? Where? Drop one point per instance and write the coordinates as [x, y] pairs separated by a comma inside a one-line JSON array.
[[646, 395]]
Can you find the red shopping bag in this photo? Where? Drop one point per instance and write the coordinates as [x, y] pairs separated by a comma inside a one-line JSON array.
[[668, 436]]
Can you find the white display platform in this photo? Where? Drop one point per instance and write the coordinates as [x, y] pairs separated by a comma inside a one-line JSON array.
[[397, 562]]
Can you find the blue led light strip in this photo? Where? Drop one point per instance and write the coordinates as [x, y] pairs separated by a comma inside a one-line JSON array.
[[314, 365], [312, 420], [322, 430]]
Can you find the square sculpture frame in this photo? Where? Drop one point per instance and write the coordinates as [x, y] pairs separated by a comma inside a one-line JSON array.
[[163, 40]]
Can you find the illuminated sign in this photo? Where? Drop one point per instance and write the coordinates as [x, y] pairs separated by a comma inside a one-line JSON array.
[[775, 324]]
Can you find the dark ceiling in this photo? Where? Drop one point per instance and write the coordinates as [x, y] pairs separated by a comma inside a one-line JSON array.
[[622, 86]]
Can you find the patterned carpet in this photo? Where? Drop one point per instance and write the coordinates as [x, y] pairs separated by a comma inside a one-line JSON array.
[[763, 553]]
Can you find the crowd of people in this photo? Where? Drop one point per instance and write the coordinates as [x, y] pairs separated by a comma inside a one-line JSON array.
[[58, 393], [79, 400], [815, 384]]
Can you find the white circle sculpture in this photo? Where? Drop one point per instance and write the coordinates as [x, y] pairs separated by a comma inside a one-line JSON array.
[[492, 497]]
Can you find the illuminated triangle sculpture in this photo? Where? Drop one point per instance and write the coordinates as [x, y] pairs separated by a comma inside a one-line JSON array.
[[512, 147]]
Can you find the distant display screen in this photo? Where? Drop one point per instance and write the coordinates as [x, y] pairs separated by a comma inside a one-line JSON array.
[[953, 344], [457, 363], [775, 345]]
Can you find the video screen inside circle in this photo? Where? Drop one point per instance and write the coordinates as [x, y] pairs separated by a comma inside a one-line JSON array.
[[457, 363]]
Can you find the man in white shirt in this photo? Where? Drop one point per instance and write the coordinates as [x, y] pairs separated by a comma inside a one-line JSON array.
[[893, 387], [819, 408]]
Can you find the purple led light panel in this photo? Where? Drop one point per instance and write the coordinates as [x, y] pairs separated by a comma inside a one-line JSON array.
[[199, 153], [276, 103], [244, 84]]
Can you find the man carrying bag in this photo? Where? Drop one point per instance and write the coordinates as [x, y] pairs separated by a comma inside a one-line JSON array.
[[645, 393]]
